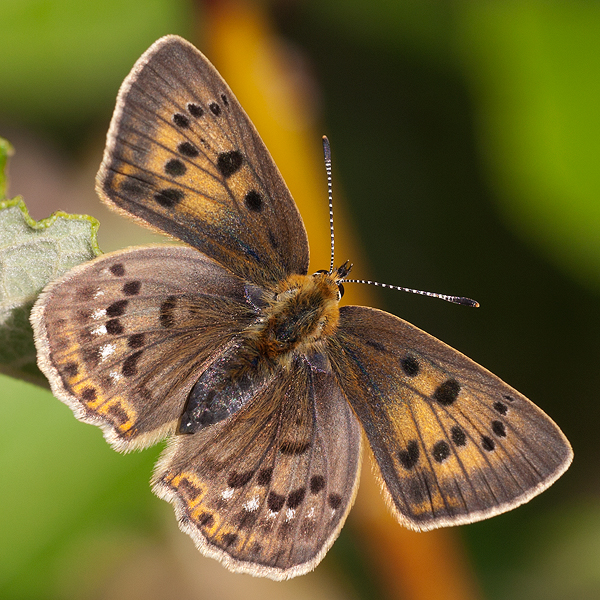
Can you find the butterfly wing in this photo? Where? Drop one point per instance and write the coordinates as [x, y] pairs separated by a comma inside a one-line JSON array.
[[267, 490], [454, 444], [183, 156], [159, 316]]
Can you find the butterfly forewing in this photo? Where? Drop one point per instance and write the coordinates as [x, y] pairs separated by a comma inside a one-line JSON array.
[[125, 337], [268, 489], [183, 156], [453, 442]]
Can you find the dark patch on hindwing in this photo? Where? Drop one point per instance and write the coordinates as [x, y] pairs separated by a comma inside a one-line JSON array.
[[167, 310], [275, 501], [132, 288], [296, 497], [293, 447], [238, 480], [264, 476], [317, 483], [118, 270]]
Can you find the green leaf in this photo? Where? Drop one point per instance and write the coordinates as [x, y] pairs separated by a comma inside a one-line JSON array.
[[33, 253]]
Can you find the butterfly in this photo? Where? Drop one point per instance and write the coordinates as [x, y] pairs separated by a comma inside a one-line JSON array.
[[261, 382]]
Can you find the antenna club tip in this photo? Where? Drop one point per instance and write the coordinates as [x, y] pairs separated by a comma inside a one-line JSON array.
[[469, 302], [326, 148]]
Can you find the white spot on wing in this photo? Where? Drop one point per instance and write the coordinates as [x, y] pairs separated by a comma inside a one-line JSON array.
[[106, 351], [99, 313], [290, 513], [115, 376], [227, 493], [252, 504], [100, 330]]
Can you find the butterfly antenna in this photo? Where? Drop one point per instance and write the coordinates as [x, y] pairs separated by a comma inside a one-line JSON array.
[[327, 153], [454, 299]]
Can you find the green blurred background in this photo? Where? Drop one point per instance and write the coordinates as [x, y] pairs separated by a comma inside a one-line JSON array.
[[466, 139]]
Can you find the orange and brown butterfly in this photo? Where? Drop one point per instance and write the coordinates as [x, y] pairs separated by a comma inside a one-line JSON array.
[[261, 382]]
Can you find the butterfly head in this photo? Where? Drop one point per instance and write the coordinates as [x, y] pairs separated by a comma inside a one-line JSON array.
[[338, 276]]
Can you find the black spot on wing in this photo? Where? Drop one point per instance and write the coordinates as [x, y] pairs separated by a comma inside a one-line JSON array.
[[169, 197], [181, 121], [229, 538], [136, 340], [441, 451], [334, 500], [275, 501], [296, 497], [118, 270], [88, 394], [175, 167], [293, 447], [409, 457], [229, 163], [188, 149], [167, 309], [237, 480], [375, 345], [487, 443], [70, 369], [253, 201], [498, 428], [206, 519], [500, 407], [116, 309], [132, 288], [447, 392], [114, 327], [264, 476], [410, 366], [195, 110], [458, 436], [130, 364], [317, 483]]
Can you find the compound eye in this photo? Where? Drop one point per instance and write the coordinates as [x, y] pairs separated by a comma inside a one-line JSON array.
[[321, 271], [340, 291]]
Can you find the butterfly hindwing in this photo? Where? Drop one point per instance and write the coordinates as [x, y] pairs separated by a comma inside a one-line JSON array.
[[267, 490], [124, 338], [183, 156], [454, 443]]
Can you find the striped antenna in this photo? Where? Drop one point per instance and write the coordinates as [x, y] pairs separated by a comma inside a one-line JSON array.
[[454, 299], [345, 268], [327, 153]]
